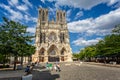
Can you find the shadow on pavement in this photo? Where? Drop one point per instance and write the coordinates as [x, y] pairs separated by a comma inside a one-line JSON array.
[[44, 75], [11, 78]]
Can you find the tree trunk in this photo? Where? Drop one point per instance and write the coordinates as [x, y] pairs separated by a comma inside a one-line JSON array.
[[4, 60], [21, 63], [28, 59], [21, 60], [15, 60]]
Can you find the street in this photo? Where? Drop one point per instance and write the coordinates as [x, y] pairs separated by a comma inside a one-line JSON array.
[[76, 71], [69, 71]]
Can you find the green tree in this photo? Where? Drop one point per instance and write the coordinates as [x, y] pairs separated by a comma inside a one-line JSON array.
[[15, 40], [116, 37], [109, 47], [77, 56], [116, 29], [87, 53], [82, 54]]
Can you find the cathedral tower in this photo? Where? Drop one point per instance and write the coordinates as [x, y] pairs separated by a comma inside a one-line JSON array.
[[52, 38]]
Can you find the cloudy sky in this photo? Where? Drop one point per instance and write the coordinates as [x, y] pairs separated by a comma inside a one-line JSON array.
[[88, 20]]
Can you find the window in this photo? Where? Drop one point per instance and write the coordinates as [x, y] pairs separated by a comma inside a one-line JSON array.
[[61, 17], [43, 16], [52, 37], [62, 37], [42, 37], [62, 52]]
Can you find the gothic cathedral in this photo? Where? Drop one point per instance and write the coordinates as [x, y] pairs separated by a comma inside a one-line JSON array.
[[52, 38]]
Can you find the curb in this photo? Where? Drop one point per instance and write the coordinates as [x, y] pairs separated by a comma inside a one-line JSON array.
[[102, 64]]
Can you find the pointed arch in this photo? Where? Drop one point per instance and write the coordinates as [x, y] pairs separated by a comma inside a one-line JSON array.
[[63, 51], [42, 51], [53, 50], [53, 54]]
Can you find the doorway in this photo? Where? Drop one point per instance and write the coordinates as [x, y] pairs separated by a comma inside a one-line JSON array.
[[53, 59]]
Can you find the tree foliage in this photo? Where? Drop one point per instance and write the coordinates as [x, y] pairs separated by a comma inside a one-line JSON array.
[[88, 52], [108, 47], [14, 40]]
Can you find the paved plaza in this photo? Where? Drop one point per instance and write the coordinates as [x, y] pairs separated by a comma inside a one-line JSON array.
[[71, 71]]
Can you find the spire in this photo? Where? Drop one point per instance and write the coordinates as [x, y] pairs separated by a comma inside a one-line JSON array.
[[43, 15], [60, 16]]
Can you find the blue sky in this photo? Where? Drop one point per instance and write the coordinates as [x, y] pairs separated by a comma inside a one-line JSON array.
[[88, 20]]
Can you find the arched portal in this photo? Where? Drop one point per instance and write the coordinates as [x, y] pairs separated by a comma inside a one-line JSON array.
[[63, 51], [53, 54], [41, 55]]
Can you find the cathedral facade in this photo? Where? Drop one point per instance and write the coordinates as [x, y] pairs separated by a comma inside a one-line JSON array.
[[52, 38]]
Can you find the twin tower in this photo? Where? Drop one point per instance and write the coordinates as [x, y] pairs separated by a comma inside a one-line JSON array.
[[52, 38], [60, 16]]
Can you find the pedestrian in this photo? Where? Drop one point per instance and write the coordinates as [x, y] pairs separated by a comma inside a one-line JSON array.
[[27, 68], [55, 67], [50, 67], [47, 65], [58, 67]]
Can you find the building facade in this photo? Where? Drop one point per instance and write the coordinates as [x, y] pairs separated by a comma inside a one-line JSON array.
[[52, 38]]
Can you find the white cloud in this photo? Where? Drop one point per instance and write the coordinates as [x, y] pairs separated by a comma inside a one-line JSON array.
[[112, 2], [83, 4], [43, 1], [30, 18], [68, 14], [101, 25], [51, 0], [52, 10], [27, 18], [17, 15], [14, 15], [27, 3], [22, 7], [79, 14], [13, 2], [19, 6], [31, 29], [80, 26], [117, 5], [34, 19], [83, 42]]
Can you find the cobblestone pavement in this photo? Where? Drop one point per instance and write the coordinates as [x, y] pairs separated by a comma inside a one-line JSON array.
[[75, 71], [72, 71], [11, 73]]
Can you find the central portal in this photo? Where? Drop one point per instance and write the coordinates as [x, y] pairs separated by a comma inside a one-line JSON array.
[[52, 54], [53, 59]]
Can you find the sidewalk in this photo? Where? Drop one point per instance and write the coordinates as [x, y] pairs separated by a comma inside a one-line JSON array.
[[6, 69], [102, 64], [10, 74]]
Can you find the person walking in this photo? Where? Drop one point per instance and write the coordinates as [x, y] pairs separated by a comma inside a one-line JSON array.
[[55, 67], [47, 65], [27, 69], [58, 67]]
